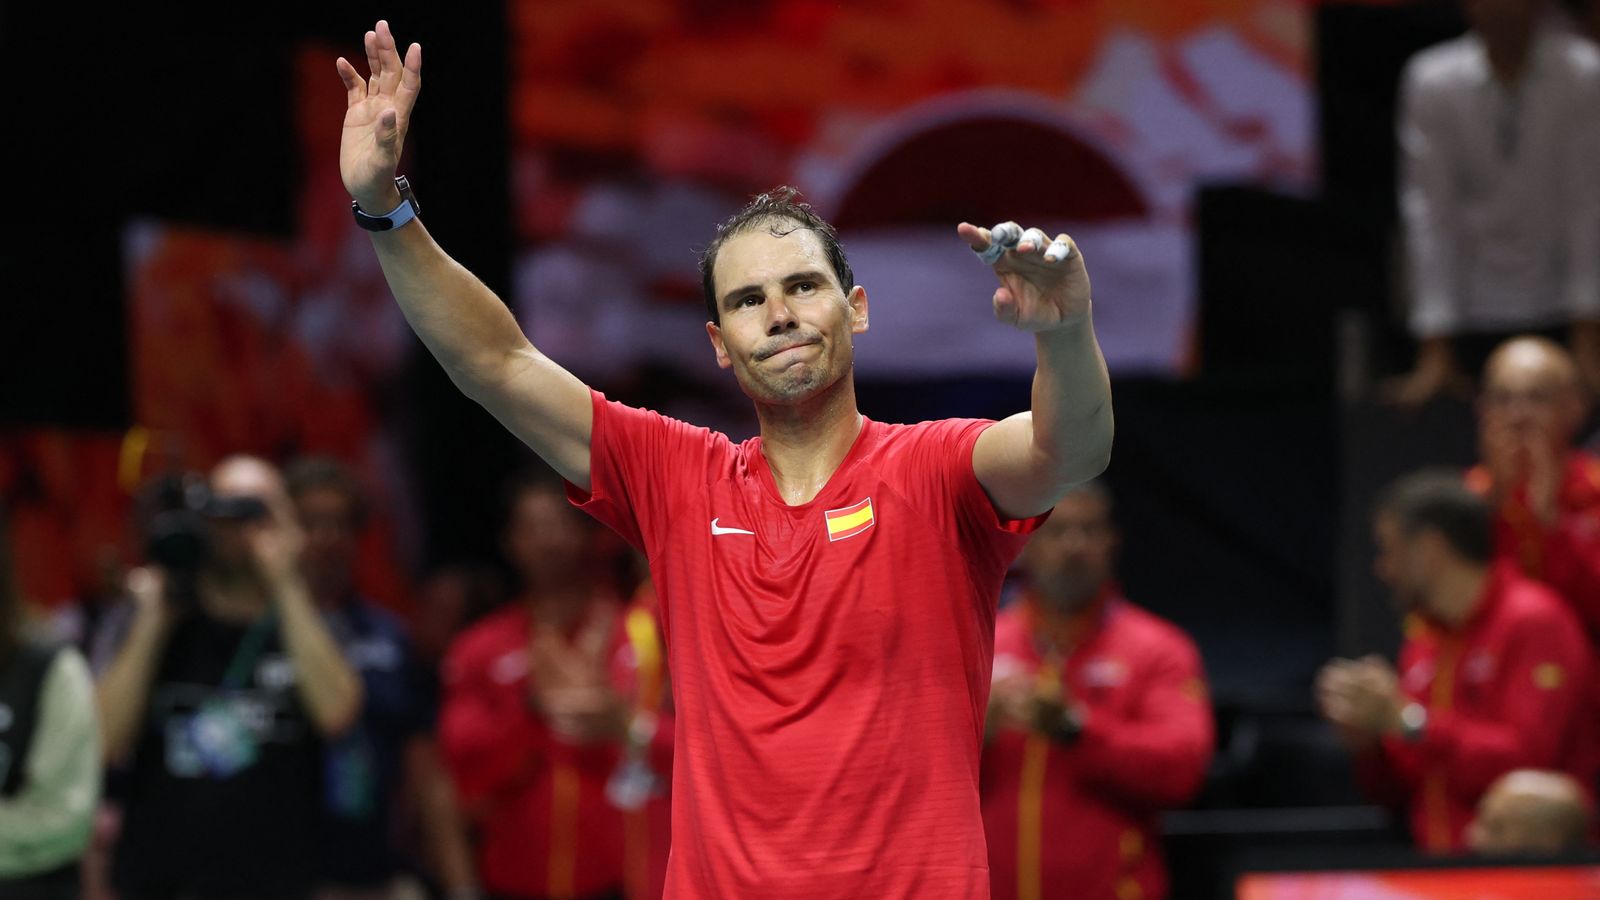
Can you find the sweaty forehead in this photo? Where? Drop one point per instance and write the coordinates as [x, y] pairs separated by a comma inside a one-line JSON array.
[[758, 256]]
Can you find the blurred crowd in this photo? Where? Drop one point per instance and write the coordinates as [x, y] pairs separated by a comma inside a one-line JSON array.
[[234, 719]]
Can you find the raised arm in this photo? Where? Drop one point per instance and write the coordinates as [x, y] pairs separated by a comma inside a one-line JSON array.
[[466, 327], [1027, 462]]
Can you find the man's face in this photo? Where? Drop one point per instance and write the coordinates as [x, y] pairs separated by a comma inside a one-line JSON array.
[[1071, 555], [786, 321], [327, 516], [1525, 397], [1495, 17], [546, 538], [230, 544], [1401, 563]]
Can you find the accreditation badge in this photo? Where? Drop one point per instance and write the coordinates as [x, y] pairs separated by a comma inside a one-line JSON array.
[[221, 740]]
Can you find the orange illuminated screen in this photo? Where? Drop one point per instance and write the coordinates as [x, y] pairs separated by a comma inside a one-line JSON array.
[[1569, 883]]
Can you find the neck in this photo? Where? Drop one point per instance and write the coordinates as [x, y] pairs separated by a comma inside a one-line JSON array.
[[1062, 615], [1508, 51], [805, 443], [560, 607], [233, 596], [1457, 595], [329, 594]]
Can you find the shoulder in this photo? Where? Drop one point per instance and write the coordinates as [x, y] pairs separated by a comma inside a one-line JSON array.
[[939, 438], [1528, 605], [617, 417], [1443, 66], [1151, 635], [1576, 56], [493, 634]]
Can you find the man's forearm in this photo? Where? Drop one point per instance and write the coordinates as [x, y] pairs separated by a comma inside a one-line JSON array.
[[329, 687], [466, 327], [122, 690], [1072, 419]]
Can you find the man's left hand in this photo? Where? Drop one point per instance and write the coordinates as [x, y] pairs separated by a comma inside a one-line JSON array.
[[1043, 282]]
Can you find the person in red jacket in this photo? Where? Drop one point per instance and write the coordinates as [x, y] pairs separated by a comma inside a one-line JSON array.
[[1545, 491], [1098, 720], [1494, 675], [552, 723]]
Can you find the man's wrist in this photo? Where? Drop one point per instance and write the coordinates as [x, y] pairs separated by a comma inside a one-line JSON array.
[[381, 204], [1068, 726]]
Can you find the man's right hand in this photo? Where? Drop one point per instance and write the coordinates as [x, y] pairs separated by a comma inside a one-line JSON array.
[[1436, 374], [376, 118]]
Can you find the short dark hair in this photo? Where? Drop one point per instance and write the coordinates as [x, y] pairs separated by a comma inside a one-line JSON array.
[[532, 479], [773, 209], [1439, 500], [317, 473]]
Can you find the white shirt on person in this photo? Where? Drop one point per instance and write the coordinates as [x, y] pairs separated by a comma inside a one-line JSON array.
[[1500, 186]]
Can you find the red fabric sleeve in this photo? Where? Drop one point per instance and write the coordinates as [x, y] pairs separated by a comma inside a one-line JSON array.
[[948, 491], [638, 460], [489, 737], [1546, 671], [1158, 757], [1572, 564]]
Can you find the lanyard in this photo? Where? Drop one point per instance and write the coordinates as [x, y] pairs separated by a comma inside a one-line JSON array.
[[250, 647]]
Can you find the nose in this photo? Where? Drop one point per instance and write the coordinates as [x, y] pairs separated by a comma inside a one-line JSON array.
[[779, 317]]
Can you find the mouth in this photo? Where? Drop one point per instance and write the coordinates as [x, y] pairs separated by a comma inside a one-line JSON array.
[[775, 353]]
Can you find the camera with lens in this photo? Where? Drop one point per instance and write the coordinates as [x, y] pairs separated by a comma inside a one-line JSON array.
[[178, 511]]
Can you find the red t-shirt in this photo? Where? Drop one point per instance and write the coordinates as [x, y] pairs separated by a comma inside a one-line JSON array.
[[830, 661]]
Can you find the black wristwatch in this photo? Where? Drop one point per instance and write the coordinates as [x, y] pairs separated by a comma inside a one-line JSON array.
[[407, 210], [1069, 727]]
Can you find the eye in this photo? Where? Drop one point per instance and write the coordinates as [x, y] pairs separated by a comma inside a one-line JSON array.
[[750, 300], [806, 286]]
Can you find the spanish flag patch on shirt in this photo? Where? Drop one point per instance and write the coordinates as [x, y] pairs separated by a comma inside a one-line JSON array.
[[849, 521]]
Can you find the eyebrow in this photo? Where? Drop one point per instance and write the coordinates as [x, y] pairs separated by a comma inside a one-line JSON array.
[[733, 296]]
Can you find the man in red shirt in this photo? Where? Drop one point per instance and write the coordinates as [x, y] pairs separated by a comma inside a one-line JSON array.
[[1545, 491], [551, 723], [827, 589], [1099, 720], [1494, 675]]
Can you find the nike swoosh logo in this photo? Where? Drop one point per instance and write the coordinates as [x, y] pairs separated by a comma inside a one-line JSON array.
[[718, 529]]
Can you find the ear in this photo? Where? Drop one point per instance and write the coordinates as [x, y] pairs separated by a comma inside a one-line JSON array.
[[858, 309], [714, 332]]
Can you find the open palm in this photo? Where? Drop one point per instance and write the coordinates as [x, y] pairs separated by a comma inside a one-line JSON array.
[[377, 114]]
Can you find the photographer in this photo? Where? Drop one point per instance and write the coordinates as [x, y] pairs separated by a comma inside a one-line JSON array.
[[219, 697]]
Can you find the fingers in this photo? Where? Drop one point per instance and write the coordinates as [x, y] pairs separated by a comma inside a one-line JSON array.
[[374, 62], [991, 244], [1059, 249], [355, 87], [1033, 241], [410, 81], [389, 55]]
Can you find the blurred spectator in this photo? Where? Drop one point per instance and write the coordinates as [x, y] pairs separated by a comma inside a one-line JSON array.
[[1495, 673], [1545, 491], [1098, 717], [1532, 813], [1500, 194], [389, 761], [448, 599], [49, 756], [225, 683], [551, 722]]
